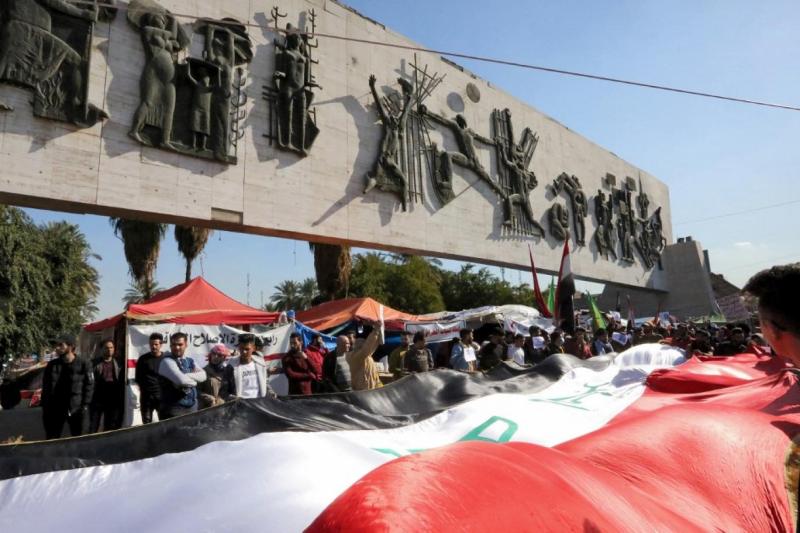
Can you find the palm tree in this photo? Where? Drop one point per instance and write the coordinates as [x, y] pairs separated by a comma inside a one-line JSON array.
[[333, 265], [308, 292], [191, 242], [142, 242], [287, 295], [135, 293]]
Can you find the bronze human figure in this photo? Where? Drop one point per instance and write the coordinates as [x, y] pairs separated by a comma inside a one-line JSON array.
[[162, 40], [604, 236], [34, 55], [466, 157], [625, 223], [571, 184], [292, 77], [523, 181], [388, 174], [559, 222]]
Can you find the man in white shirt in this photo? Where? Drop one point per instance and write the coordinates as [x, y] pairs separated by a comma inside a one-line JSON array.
[[250, 370], [516, 351]]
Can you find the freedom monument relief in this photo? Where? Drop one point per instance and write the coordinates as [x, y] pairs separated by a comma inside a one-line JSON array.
[[296, 121]]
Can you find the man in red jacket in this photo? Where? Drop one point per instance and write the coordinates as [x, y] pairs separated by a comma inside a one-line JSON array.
[[297, 368], [316, 352]]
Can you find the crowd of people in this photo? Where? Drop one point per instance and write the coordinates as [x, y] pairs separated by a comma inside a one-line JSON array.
[[170, 383]]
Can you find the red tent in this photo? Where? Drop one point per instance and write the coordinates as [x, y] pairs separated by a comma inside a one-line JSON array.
[[337, 312], [193, 302]]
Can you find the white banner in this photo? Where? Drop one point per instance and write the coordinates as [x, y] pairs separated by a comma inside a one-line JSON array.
[[200, 339], [437, 331]]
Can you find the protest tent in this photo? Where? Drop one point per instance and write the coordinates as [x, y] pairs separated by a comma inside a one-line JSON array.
[[335, 313]]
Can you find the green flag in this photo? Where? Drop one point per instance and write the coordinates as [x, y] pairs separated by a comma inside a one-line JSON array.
[[551, 297], [599, 319]]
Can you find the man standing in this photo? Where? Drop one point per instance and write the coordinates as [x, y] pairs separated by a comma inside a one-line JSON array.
[[494, 351], [297, 367], [219, 387], [316, 352], [600, 345], [179, 378], [67, 388], [147, 378], [463, 356], [778, 290], [418, 357], [556, 344], [109, 389], [577, 345], [649, 335], [734, 345], [335, 369], [516, 351], [398, 356], [363, 370], [250, 370]]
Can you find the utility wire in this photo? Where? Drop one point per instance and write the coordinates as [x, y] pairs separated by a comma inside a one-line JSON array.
[[755, 209], [490, 60]]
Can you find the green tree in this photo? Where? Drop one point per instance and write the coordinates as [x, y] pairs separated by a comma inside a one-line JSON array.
[[142, 242], [470, 288], [74, 282], [191, 241], [333, 266], [135, 293], [286, 296], [308, 293], [47, 284], [406, 283]]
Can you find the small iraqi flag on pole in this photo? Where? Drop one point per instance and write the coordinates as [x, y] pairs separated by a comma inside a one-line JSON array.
[[565, 290], [537, 292]]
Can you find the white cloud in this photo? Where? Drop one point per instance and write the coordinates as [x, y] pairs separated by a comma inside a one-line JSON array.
[[743, 244]]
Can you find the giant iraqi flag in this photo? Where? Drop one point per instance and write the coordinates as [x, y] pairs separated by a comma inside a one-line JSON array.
[[638, 442]]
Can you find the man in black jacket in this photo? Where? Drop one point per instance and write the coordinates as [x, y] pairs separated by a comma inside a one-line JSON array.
[[66, 390], [147, 378], [109, 387]]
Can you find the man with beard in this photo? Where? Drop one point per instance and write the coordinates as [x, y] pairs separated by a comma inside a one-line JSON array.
[[335, 369], [297, 367], [109, 387], [179, 377], [147, 378], [67, 389], [494, 351]]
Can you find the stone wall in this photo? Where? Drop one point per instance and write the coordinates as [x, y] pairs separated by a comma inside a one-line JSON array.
[[271, 192]]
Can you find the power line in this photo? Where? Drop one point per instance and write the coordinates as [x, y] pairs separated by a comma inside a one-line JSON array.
[[753, 210], [496, 61]]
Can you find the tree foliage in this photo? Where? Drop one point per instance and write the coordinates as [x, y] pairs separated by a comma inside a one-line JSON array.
[[420, 285], [333, 266], [141, 242], [293, 295], [191, 241], [47, 284]]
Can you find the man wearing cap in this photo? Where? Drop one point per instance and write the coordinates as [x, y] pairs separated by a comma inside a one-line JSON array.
[[67, 389], [250, 370], [778, 290], [179, 378], [147, 378], [220, 385]]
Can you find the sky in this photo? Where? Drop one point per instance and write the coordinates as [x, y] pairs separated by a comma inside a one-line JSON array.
[[733, 169]]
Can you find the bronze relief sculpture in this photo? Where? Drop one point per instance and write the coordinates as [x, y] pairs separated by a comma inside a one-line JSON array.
[[572, 185], [292, 120], [45, 45], [192, 107]]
